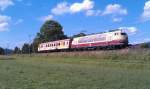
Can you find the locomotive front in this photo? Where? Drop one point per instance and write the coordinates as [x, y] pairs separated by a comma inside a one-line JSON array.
[[120, 37]]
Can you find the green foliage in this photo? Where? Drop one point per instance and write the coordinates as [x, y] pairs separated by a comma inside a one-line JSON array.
[[51, 31], [36, 43], [26, 49], [144, 45], [32, 49], [2, 51], [79, 35], [17, 50]]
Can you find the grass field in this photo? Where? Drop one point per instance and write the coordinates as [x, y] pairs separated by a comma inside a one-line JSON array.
[[124, 69]]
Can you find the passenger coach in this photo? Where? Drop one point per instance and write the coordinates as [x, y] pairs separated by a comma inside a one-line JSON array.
[[54, 45]]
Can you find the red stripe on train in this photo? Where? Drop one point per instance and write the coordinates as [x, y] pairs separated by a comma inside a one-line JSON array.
[[115, 42]]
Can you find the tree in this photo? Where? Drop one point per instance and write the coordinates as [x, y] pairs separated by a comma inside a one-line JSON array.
[[79, 35], [17, 50], [2, 51], [32, 49], [144, 45], [26, 49], [50, 31], [35, 44]]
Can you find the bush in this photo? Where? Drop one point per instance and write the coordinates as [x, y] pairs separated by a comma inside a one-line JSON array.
[[144, 45]]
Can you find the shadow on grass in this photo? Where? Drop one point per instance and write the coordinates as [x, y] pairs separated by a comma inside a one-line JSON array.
[[7, 58]]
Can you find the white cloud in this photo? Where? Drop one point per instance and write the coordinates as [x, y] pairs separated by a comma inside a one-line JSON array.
[[64, 7], [4, 23], [19, 21], [85, 5], [5, 3], [141, 40], [93, 12], [147, 39], [45, 18], [60, 9], [115, 9], [146, 13], [130, 30], [117, 19]]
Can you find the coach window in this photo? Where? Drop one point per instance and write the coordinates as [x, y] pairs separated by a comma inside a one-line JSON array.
[[64, 43], [58, 44]]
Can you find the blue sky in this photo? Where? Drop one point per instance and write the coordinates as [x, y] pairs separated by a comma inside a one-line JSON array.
[[20, 20]]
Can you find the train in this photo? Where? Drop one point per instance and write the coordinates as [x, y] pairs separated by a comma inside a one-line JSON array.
[[105, 40]]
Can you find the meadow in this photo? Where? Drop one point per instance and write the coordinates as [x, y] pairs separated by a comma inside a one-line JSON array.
[[121, 69]]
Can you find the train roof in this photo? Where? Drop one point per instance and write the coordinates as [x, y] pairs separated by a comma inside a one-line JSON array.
[[55, 41], [103, 32]]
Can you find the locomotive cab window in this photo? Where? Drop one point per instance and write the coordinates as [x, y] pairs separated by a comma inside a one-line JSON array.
[[123, 33], [116, 33]]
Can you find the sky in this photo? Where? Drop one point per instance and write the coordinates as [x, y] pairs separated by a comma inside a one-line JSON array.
[[20, 20]]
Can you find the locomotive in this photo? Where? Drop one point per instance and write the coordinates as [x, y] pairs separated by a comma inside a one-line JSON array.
[[106, 40]]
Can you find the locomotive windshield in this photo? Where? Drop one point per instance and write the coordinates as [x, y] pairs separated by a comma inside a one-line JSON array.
[[123, 34]]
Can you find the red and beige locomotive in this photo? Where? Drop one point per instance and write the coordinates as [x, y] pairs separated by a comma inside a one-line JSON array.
[[116, 38]]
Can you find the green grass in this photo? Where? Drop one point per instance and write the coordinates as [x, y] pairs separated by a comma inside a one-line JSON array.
[[80, 70]]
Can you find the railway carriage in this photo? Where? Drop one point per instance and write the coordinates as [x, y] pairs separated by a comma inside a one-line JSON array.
[[55, 45], [108, 39]]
